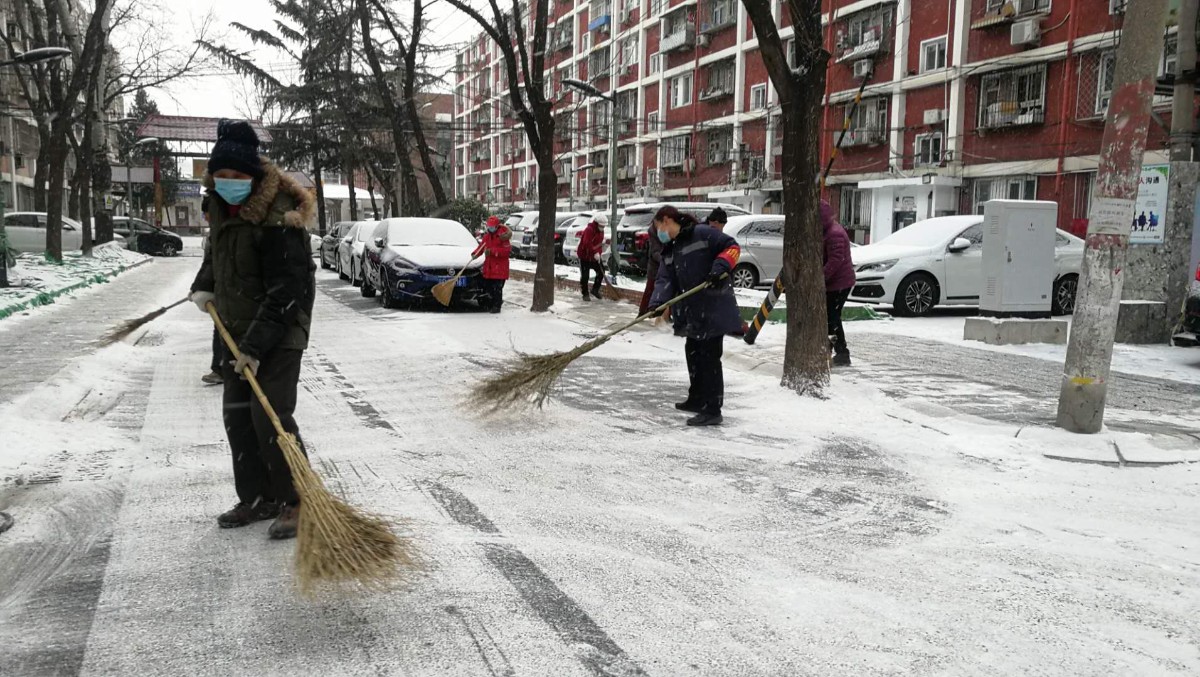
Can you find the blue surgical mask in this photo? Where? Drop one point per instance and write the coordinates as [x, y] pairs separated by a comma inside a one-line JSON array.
[[234, 191], [662, 236], [491, 229]]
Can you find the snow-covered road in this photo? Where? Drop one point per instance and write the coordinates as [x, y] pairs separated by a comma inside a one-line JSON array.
[[861, 535]]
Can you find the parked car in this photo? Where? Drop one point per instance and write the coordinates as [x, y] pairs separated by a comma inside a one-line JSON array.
[[314, 244], [529, 241], [26, 232], [405, 257], [144, 237], [1189, 330], [761, 239], [633, 232], [574, 233], [329, 243], [939, 261], [350, 251], [521, 223]]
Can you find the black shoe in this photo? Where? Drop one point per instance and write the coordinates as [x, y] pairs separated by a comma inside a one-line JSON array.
[[841, 359], [243, 514], [586, 297], [688, 406], [286, 524], [702, 419]]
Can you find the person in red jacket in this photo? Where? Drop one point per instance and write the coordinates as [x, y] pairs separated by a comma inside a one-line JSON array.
[[591, 246], [497, 245], [839, 280]]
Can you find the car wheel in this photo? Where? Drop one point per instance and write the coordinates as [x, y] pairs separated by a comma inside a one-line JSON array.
[[385, 292], [744, 277], [366, 289], [1065, 288], [341, 273], [916, 295], [169, 249], [355, 276], [324, 265]]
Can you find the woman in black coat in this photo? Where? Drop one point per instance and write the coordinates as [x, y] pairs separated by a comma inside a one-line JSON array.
[[692, 255]]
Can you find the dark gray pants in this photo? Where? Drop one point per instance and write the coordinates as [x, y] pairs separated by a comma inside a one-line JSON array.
[[586, 267], [259, 469], [218, 350], [707, 389]]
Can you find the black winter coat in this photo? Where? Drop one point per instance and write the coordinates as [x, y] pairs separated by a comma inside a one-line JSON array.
[[688, 261]]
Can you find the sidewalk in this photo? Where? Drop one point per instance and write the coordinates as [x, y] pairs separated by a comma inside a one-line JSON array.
[[1150, 421], [36, 281]]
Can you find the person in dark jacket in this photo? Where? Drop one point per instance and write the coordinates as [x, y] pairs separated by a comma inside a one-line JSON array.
[[497, 247], [591, 246], [717, 219], [653, 258], [213, 377], [259, 273], [839, 280], [694, 255]]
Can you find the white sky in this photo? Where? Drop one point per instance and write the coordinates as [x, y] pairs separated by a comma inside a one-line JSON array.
[[216, 93]]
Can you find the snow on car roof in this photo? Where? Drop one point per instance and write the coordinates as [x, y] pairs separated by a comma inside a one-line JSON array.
[[425, 231], [931, 231]]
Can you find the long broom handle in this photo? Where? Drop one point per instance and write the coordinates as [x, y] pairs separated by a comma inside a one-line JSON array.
[[246, 373], [667, 304], [464, 270]]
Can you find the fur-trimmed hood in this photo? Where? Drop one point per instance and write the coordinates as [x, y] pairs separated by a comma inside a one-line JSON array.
[[258, 206]]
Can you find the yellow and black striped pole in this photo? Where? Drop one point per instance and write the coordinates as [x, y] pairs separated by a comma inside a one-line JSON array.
[[777, 287]]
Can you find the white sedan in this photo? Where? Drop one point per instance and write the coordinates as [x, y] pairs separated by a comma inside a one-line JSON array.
[[939, 261], [575, 228]]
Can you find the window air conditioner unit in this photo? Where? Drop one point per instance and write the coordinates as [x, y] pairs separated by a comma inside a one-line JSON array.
[[1027, 32], [934, 116], [863, 68]]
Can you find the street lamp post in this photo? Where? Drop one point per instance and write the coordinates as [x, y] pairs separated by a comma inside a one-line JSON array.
[[592, 91], [39, 55], [571, 188], [129, 173]]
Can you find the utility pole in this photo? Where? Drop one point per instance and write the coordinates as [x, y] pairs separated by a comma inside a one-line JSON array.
[[1089, 353], [101, 173], [1183, 105]]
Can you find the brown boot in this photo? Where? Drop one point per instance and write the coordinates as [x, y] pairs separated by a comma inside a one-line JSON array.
[[286, 524], [246, 513]]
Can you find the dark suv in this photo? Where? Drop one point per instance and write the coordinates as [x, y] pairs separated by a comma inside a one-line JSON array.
[[633, 232], [145, 238]]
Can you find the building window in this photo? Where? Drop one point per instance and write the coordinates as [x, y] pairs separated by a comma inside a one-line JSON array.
[[681, 90], [599, 127], [655, 63], [1021, 6], [1117, 6], [1011, 98], [1104, 81], [868, 123], [599, 63], [790, 51], [862, 34], [657, 7], [933, 54], [629, 53], [585, 42], [718, 14], [1170, 55], [720, 143], [674, 151], [720, 80], [652, 123], [854, 208], [758, 97], [1003, 188], [928, 150]]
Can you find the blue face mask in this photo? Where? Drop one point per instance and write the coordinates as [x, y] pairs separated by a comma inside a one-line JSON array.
[[491, 229], [234, 191], [662, 236]]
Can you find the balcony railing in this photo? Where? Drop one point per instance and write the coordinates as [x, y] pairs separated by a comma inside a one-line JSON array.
[[863, 136], [684, 38], [1012, 114]]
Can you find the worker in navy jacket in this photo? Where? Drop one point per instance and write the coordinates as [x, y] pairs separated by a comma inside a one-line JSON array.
[[693, 255]]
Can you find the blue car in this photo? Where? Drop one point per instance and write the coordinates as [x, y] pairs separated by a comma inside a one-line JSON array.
[[404, 258]]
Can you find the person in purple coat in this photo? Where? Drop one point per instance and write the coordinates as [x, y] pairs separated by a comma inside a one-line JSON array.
[[839, 280]]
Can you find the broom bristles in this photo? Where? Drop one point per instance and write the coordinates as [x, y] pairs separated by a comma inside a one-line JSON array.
[[123, 330], [527, 380], [338, 544]]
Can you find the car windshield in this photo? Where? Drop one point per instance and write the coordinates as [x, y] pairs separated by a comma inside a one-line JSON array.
[[637, 220], [364, 232], [929, 233], [408, 233]]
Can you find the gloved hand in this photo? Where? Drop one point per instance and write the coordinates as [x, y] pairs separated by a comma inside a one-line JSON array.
[[657, 313], [717, 280], [202, 299], [245, 362]]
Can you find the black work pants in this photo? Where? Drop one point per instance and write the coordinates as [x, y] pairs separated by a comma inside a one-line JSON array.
[[494, 291], [585, 268], [218, 351], [707, 389], [259, 468], [834, 302]]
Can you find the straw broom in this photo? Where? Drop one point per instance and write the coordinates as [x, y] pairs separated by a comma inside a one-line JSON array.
[[444, 291], [336, 543], [528, 379], [123, 330]]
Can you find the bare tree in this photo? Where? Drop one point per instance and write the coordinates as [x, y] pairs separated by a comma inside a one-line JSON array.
[[801, 90], [524, 57], [409, 72]]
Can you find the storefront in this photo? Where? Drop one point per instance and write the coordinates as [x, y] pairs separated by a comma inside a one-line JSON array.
[[899, 202]]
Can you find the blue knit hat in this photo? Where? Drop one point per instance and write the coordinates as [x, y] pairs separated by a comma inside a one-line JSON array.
[[236, 148]]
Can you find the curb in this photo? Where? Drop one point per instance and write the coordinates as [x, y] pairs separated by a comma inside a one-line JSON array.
[[566, 284], [48, 297], [6, 522]]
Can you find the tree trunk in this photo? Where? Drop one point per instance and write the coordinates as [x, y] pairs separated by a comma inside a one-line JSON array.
[[547, 183], [56, 156], [350, 189], [806, 352], [320, 194], [371, 192], [83, 187]]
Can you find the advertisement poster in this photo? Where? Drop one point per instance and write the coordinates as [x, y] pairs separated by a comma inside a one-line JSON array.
[[1150, 209]]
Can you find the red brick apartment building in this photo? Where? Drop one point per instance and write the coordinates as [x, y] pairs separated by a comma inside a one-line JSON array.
[[966, 100]]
